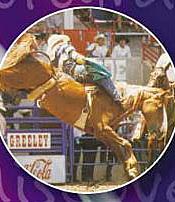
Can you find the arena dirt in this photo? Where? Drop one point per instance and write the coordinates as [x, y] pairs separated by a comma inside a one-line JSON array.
[[87, 187]]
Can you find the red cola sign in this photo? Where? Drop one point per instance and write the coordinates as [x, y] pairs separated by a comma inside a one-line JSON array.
[[50, 168], [41, 168]]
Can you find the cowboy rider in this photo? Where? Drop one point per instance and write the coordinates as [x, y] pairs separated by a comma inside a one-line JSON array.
[[65, 57]]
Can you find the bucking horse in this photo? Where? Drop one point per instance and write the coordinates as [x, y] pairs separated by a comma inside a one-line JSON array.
[[66, 99]]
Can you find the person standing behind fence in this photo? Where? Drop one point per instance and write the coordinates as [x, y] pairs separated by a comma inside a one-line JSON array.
[[122, 50], [99, 48]]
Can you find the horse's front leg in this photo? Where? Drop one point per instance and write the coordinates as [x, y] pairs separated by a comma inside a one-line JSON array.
[[150, 146], [107, 135]]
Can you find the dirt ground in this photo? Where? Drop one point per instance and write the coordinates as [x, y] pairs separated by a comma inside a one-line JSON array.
[[89, 187], [100, 184]]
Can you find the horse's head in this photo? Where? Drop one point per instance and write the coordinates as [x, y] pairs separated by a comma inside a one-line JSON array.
[[24, 69], [29, 73], [158, 78]]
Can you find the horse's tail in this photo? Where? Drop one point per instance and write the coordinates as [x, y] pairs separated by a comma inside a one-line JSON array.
[[164, 127]]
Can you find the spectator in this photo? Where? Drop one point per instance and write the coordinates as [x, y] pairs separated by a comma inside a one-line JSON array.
[[122, 49], [98, 48]]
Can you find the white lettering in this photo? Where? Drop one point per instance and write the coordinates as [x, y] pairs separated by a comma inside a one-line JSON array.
[[143, 3], [7, 5], [118, 2], [87, 1], [30, 4], [20, 186], [169, 4], [58, 4], [153, 193], [170, 194], [3, 196], [41, 168], [45, 191]]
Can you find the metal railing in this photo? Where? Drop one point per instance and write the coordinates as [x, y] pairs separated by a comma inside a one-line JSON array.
[[107, 158], [35, 122], [63, 141]]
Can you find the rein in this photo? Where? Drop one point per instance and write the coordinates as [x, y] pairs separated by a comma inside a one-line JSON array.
[[42, 53], [39, 91]]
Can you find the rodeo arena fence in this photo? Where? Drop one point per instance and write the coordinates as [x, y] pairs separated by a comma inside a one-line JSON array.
[[39, 142], [49, 148]]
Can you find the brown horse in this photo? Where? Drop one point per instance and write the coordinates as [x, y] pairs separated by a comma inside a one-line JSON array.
[[159, 79], [65, 98], [158, 111], [157, 105]]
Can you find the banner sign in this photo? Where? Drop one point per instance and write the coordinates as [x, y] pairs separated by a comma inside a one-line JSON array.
[[50, 168], [29, 140]]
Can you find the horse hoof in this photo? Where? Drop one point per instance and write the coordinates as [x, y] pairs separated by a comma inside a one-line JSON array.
[[127, 144], [132, 176], [133, 173]]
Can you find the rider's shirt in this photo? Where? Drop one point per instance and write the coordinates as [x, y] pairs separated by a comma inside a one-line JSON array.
[[66, 57], [64, 53]]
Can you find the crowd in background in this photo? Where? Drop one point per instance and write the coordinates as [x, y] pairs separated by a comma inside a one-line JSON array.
[[101, 46], [100, 49], [97, 49]]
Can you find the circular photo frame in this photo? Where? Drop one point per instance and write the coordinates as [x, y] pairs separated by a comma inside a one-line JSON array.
[[87, 100]]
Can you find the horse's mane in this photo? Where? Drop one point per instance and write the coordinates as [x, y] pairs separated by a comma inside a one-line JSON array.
[[128, 89], [19, 50]]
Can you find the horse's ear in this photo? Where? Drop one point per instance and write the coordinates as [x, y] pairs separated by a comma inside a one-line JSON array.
[[167, 66]]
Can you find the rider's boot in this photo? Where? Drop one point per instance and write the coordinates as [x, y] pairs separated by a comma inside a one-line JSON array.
[[110, 88], [118, 100]]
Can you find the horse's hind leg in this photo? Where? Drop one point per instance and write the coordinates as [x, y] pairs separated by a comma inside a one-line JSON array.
[[139, 130], [107, 135]]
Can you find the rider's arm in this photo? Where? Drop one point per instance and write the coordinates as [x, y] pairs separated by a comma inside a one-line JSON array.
[[77, 57]]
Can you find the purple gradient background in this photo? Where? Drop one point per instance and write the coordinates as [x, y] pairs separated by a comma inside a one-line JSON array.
[[159, 20]]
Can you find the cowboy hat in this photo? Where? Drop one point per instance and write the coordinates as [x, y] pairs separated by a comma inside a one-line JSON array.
[[54, 42], [99, 36]]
